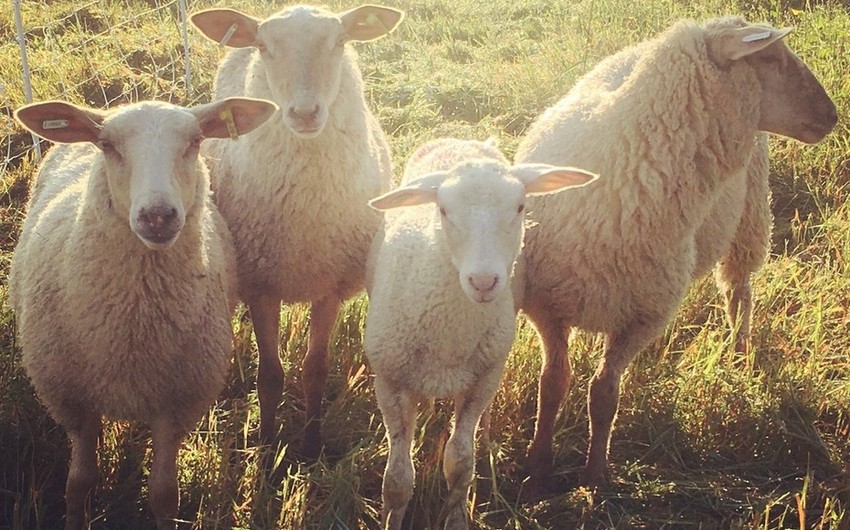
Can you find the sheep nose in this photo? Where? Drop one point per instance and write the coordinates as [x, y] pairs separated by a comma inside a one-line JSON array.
[[483, 281], [156, 218], [304, 113]]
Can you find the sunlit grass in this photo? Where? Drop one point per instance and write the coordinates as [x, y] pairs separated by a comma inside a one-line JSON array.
[[706, 438]]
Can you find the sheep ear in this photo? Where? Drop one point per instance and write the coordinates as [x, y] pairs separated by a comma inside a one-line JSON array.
[[369, 22], [232, 117], [420, 191], [227, 27], [543, 178], [732, 44], [59, 121]]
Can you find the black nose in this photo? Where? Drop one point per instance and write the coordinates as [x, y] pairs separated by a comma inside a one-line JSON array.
[[158, 218]]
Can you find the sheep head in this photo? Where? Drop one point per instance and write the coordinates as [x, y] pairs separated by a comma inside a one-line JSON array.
[[792, 101], [149, 153], [481, 206], [302, 50]]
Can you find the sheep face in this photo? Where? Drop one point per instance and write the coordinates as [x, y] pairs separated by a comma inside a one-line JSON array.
[[151, 164], [481, 218], [481, 207], [149, 153], [792, 101], [302, 49]]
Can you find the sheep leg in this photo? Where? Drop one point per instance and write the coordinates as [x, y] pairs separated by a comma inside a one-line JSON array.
[[553, 386], [163, 492], [314, 371], [739, 308], [604, 394], [265, 314], [749, 247], [459, 454], [82, 472], [399, 412]]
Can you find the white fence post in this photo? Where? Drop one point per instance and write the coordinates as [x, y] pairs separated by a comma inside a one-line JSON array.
[[22, 44], [184, 24]]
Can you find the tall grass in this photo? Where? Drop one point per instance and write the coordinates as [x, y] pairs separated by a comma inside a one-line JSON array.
[[706, 438]]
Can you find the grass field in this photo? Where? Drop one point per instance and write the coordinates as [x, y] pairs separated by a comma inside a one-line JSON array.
[[706, 438]]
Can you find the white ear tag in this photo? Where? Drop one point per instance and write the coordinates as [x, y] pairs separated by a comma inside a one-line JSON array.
[[757, 36], [55, 124], [227, 35]]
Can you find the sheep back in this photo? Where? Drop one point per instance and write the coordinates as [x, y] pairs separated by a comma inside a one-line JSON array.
[[666, 134]]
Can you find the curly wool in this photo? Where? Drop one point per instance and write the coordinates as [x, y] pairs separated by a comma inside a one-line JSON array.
[[669, 139], [106, 324], [454, 341], [298, 208]]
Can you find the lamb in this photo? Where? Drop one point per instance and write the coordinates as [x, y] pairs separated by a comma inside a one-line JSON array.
[[441, 312], [671, 124], [295, 193], [124, 278]]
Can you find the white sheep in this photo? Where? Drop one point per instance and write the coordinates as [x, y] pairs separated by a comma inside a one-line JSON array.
[[671, 125], [124, 278], [441, 312], [295, 192]]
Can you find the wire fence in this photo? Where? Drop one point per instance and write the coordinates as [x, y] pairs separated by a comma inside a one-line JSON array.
[[96, 53]]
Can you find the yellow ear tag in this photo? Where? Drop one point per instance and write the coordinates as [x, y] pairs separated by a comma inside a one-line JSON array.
[[227, 117]]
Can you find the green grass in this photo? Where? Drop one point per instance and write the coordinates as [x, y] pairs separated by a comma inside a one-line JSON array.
[[706, 438]]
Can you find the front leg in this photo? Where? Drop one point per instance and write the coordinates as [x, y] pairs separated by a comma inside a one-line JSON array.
[[82, 471], [459, 455], [314, 371], [265, 314], [163, 491], [399, 412], [554, 384], [603, 398]]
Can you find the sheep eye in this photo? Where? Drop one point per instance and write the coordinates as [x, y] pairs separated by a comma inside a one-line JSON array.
[[442, 211], [520, 209], [196, 142], [107, 147]]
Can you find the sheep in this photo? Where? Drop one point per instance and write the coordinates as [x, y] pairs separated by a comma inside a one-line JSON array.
[[124, 278], [671, 124], [441, 313], [295, 193]]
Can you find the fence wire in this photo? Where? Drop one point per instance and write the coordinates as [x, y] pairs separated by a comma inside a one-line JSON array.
[[97, 53]]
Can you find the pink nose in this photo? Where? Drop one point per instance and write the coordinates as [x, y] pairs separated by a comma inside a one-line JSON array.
[[304, 114], [483, 281], [158, 218]]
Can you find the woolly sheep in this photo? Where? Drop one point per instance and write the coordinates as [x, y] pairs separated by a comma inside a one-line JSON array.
[[670, 125], [441, 313], [295, 192], [124, 279]]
